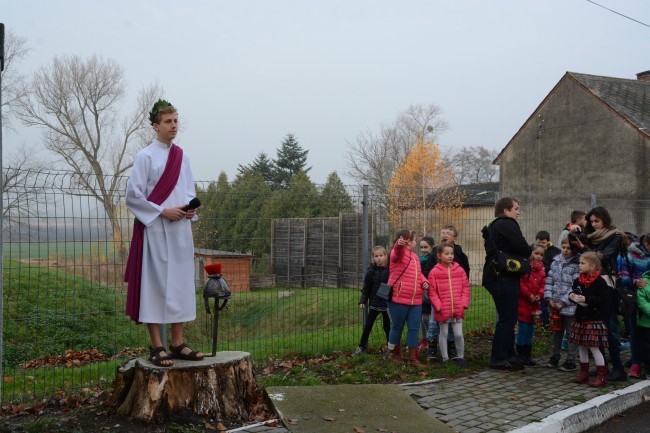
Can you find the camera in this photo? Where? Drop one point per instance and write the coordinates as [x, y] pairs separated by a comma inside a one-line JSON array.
[[574, 235]]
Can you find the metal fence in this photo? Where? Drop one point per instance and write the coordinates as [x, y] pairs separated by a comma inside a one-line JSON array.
[[64, 328]]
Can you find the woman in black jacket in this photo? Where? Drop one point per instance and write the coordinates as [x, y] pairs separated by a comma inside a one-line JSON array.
[[602, 237], [504, 234]]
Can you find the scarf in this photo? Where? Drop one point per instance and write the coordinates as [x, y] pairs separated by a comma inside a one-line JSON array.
[[133, 272], [600, 235], [586, 280], [536, 265]]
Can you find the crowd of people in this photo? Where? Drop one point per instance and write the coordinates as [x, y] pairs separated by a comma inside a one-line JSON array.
[[572, 290]]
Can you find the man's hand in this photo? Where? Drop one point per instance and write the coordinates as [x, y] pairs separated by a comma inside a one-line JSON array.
[[174, 213]]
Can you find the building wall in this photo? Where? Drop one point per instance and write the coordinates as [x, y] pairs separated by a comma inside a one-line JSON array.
[[235, 270], [574, 146]]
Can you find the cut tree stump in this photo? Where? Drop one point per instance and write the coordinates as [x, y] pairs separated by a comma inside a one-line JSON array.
[[219, 387]]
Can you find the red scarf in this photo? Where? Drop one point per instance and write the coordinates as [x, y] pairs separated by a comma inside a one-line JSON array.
[[586, 280], [133, 272]]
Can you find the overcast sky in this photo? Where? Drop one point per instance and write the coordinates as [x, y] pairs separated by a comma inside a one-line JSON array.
[[245, 73]]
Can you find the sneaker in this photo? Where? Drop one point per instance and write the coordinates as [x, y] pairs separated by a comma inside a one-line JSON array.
[[431, 353], [624, 345], [461, 363], [359, 351], [565, 344], [568, 366], [553, 362], [635, 371]]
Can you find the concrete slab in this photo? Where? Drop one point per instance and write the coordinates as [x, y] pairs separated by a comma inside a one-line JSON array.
[[341, 408]]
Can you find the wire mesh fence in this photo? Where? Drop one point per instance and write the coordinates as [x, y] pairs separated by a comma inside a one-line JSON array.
[[293, 258]]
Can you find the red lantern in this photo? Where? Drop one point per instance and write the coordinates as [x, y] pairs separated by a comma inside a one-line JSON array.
[[555, 321]]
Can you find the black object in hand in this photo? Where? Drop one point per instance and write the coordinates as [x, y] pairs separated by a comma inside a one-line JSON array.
[[193, 204]]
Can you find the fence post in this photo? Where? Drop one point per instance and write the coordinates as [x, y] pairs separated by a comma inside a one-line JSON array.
[[365, 243], [2, 188]]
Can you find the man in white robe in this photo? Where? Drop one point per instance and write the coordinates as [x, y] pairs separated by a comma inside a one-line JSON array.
[[167, 284]]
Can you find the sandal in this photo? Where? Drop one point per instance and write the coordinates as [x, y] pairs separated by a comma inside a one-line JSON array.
[[177, 352], [160, 360]]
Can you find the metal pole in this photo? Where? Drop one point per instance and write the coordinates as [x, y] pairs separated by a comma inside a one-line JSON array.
[[365, 243], [215, 327], [2, 188]]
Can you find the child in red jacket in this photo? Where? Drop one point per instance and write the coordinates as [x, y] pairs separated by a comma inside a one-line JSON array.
[[449, 292], [531, 291]]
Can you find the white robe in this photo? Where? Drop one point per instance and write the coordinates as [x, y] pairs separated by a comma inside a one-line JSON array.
[[167, 291]]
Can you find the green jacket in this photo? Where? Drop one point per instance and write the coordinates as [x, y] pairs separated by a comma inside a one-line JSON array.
[[643, 303]]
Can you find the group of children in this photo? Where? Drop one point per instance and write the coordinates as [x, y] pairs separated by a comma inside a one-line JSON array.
[[564, 286], [444, 301]]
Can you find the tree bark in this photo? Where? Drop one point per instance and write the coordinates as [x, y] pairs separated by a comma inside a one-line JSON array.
[[222, 387]]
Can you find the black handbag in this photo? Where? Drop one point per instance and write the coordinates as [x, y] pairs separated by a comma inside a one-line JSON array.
[[385, 291], [507, 263]]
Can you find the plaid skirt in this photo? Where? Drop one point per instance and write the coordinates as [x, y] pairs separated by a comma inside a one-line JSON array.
[[593, 333]]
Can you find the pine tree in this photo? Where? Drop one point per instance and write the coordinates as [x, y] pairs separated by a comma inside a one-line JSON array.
[[334, 197], [262, 165], [291, 159]]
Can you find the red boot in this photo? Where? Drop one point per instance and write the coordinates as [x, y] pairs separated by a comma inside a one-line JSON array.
[[414, 357], [584, 373], [601, 377], [396, 354]]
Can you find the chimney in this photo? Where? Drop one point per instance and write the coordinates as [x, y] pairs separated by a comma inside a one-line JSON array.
[[643, 76]]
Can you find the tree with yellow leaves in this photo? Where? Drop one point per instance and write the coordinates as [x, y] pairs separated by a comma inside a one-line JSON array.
[[421, 192]]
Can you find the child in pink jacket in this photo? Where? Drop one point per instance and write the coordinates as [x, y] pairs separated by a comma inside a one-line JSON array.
[[449, 292]]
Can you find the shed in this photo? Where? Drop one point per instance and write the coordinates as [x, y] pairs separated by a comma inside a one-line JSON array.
[[235, 267]]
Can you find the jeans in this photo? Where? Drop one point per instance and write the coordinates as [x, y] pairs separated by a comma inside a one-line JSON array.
[[558, 336], [505, 293], [630, 325], [525, 333], [434, 330], [545, 317], [401, 315]]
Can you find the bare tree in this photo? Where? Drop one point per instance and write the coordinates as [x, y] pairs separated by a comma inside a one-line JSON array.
[[22, 188], [473, 164], [77, 104], [372, 157], [16, 49]]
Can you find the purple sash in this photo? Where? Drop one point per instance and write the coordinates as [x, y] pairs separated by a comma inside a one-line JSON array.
[[133, 273]]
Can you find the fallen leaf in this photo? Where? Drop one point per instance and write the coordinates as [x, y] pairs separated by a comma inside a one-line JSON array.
[[292, 421], [616, 420], [328, 418], [341, 410], [381, 429], [358, 429], [221, 427], [209, 426]]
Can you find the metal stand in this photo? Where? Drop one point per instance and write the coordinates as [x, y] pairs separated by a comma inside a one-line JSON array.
[[215, 324]]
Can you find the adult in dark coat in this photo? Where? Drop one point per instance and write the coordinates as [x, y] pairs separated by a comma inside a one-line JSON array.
[[504, 234]]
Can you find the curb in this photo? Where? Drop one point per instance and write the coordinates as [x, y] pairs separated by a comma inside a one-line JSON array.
[[591, 413]]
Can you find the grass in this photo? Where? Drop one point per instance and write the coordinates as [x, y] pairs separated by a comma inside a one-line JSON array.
[[48, 310]]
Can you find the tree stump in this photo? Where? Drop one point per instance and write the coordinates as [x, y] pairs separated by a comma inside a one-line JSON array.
[[221, 387]]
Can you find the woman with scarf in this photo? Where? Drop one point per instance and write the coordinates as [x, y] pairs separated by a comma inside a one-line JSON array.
[[602, 237]]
